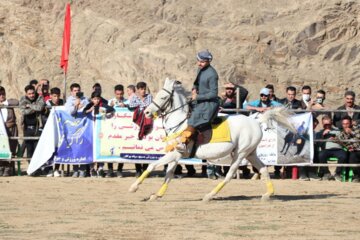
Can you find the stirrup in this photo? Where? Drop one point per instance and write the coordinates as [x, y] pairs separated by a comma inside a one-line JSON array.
[[181, 147]]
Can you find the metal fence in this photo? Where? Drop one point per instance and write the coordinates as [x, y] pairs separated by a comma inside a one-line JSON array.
[[21, 148]]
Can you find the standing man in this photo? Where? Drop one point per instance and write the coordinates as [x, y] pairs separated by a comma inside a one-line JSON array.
[[272, 95], [350, 106], [31, 107], [290, 101], [75, 103], [263, 103], [139, 103], [306, 97]]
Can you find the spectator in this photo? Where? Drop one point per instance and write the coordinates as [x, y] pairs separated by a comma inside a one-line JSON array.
[[42, 89], [34, 83], [228, 98], [97, 88], [261, 105], [140, 101], [54, 101], [75, 103], [31, 107], [228, 101], [272, 93], [117, 101], [310, 173], [306, 97], [330, 149], [351, 132], [131, 92], [9, 119], [95, 108], [318, 104], [350, 106], [292, 103]]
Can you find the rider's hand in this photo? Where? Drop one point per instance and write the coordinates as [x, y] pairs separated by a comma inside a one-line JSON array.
[[193, 94]]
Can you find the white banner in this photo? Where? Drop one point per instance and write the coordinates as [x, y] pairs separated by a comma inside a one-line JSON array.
[[5, 152]]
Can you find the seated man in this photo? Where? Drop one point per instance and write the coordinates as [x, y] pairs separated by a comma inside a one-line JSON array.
[[330, 149], [351, 132], [349, 106]]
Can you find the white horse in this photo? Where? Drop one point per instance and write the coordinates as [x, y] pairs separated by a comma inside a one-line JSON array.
[[246, 134]]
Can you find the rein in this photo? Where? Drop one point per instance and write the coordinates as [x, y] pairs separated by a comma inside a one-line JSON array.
[[169, 102]]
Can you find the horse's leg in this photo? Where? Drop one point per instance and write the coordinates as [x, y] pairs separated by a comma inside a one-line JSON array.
[[169, 175], [169, 157], [259, 165], [234, 166]]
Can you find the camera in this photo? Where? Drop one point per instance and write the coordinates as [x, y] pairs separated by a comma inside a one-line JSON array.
[[79, 94], [319, 100]]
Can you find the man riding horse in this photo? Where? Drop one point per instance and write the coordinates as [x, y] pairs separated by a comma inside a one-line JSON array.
[[205, 102]]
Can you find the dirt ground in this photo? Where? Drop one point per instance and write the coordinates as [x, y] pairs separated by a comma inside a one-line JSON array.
[[93, 208]]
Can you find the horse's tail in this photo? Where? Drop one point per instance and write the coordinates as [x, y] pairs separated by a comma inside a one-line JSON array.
[[280, 115]]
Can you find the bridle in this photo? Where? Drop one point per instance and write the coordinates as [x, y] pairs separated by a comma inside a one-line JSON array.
[[165, 105]]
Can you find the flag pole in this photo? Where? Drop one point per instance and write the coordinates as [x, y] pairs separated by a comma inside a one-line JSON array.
[[66, 45], [64, 95]]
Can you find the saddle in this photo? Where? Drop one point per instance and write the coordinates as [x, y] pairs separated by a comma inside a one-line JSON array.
[[191, 138]]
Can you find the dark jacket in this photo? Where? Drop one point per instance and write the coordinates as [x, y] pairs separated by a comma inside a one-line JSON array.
[[31, 114], [206, 104], [295, 104], [339, 115]]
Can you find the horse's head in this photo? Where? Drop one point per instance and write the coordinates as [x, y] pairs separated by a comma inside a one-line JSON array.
[[163, 100]]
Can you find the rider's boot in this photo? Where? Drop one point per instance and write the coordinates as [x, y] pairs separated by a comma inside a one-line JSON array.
[[186, 140]]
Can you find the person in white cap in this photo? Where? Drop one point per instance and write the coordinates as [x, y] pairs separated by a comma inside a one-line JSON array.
[[262, 104]]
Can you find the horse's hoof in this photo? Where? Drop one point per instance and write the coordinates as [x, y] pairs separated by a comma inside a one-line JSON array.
[[133, 188], [266, 197], [153, 197], [207, 198]]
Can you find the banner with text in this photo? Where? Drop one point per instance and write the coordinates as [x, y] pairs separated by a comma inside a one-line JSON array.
[[5, 152], [75, 142], [280, 146]]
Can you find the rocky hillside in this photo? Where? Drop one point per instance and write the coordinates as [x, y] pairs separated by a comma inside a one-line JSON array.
[[283, 42]]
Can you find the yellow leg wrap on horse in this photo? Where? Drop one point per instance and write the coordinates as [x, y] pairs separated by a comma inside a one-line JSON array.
[[219, 187], [270, 187], [162, 190], [143, 176]]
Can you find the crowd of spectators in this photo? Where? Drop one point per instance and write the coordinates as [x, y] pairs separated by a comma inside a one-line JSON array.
[[338, 127]]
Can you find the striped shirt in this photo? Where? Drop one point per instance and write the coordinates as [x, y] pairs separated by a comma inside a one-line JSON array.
[[137, 102]]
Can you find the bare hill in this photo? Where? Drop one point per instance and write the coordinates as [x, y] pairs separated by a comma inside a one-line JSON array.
[[281, 42]]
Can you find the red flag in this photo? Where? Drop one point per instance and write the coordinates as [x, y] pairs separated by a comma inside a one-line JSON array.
[[66, 40]]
